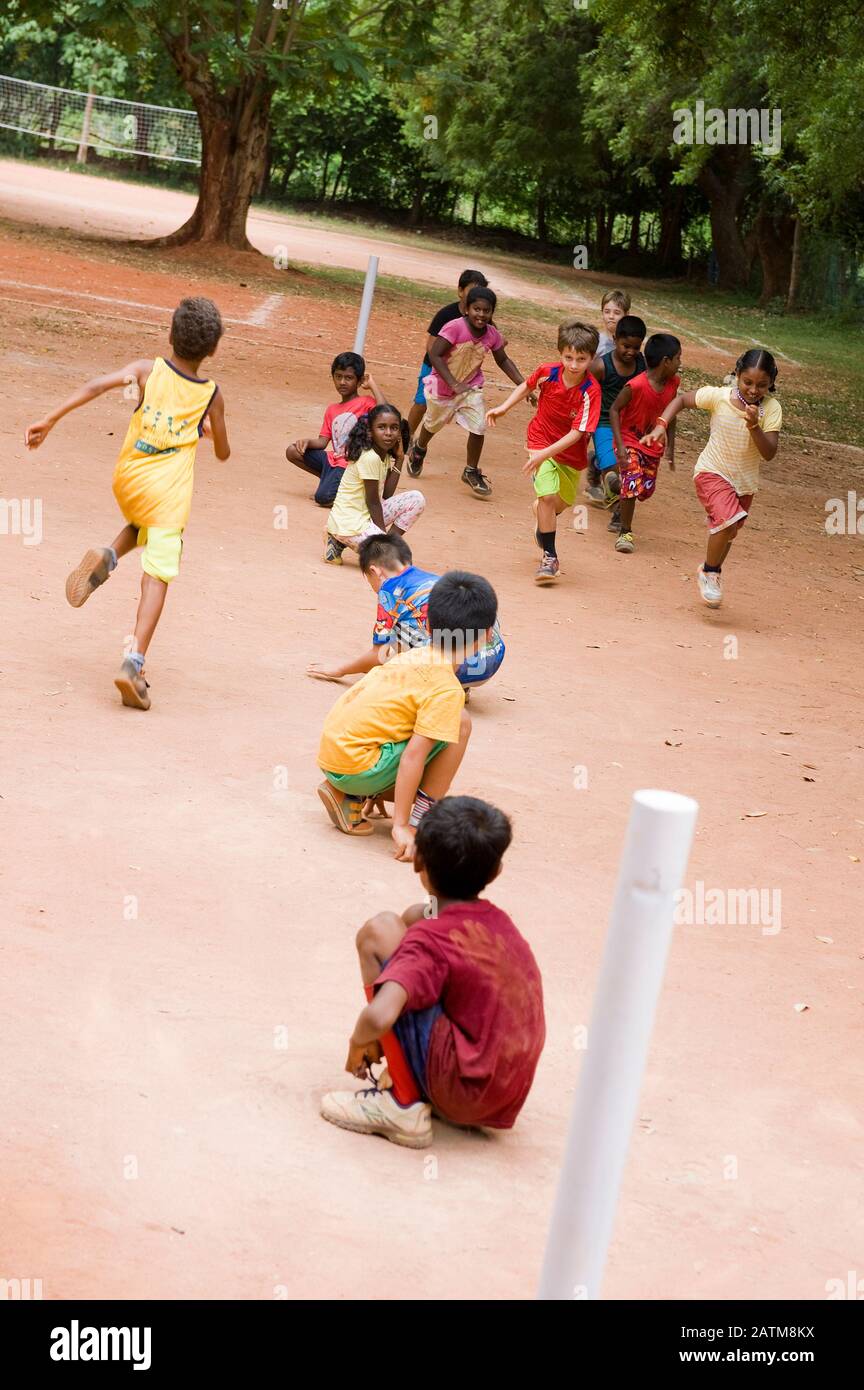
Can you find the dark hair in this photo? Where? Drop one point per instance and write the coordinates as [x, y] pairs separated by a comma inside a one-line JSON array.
[[360, 438], [762, 360], [472, 277], [461, 842], [349, 362], [482, 292], [196, 328], [660, 345], [384, 550], [631, 327], [461, 607]]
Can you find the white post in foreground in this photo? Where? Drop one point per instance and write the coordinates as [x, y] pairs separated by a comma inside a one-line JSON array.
[[366, 304], [655, 855]]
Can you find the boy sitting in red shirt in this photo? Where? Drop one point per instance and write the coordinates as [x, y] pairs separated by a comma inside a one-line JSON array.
[[455, 997], [634, 413], [557, 438], [357, 393]]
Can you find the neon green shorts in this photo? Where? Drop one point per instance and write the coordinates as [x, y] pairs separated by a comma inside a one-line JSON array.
[[162, 549], [381, 776], [553, 478]]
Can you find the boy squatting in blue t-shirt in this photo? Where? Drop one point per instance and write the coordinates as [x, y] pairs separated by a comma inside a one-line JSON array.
[[403, 594]]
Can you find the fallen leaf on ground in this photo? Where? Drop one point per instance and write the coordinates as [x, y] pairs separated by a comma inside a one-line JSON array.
[[799, 1008], [753, 815], [829, 940]]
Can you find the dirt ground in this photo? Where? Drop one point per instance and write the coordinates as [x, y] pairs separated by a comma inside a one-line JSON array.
[[178, 974]]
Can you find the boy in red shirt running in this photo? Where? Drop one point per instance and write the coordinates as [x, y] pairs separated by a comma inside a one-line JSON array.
[[455, 996], [557, 438], [634, 413]]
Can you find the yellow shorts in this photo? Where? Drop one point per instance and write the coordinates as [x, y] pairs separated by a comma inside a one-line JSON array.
[[162, 550], [553, 477]]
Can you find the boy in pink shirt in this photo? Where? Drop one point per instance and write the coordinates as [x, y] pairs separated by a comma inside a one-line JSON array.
[[454, 387]]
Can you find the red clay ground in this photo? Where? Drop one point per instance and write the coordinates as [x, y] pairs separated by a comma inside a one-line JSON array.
[[150, 1045]]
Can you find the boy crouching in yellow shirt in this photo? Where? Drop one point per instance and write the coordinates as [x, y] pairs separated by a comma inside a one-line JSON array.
[[154, 473], [400, 733]]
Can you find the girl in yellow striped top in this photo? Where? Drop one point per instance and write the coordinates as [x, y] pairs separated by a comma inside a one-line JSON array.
[[153, 476]]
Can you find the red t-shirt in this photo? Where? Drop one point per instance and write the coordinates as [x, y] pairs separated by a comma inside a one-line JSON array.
[[484, 1047], [563, 409], [640, 413], [339, 420]]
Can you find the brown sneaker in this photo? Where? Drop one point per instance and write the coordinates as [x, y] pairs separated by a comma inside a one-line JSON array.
[[92, 571], [132, 686], [346, 812]]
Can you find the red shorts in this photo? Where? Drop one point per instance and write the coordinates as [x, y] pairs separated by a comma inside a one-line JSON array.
[[723, 505], [639, 479]]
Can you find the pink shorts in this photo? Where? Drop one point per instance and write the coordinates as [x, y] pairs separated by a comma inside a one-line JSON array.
[[723, 505]]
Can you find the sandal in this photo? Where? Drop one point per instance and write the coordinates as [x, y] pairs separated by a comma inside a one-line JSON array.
[[346, 812]]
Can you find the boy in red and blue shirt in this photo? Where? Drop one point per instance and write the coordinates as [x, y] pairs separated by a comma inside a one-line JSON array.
[[633, 414], [455, 998], [557, 438]]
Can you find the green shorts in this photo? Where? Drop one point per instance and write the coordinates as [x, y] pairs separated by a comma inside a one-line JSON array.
[[381, 776], [553, 478]]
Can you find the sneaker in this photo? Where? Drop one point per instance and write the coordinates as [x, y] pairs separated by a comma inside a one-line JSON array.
[[346, 812], [625, 543], [477, 481], [333, 551], [132, 686], [93, 570], [416, 459], [549, 570], [596, 494], [373, 1111], [710, 587]]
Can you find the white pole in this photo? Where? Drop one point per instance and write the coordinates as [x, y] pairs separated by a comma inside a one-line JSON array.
[[366, 303], [656, 849]]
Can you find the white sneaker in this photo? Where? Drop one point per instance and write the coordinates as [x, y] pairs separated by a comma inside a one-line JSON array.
[[710, 587], [373, 1111]]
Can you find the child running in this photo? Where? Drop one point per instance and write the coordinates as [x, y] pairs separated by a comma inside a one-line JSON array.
[[154, 473], [557, 445], [455, 998], [401, 622], [357, 394], [613, 306], [613, 370], [450, 312], [745, 429], [365, 504], [400, 733], [634, 412], [454, 387]]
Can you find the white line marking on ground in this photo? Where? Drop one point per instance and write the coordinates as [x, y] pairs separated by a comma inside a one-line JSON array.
[[264, 312]]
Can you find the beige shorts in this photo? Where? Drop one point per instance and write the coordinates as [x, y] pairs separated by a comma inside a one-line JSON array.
[[468, 410]]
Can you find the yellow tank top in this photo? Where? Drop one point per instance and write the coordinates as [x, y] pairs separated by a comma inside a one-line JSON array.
[[155, 468]]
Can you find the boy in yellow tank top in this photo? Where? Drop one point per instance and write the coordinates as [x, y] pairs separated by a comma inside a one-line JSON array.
[[154, 473]]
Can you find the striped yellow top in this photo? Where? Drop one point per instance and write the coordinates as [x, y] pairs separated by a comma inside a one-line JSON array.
[[154, 473], [730, 451]]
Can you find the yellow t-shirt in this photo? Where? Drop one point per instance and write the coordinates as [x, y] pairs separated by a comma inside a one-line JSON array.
[[155, 468], [730, 451], [349, 515], [415, 693]]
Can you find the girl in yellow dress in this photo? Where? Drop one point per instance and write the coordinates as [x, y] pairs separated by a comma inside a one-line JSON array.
[[153, 476]]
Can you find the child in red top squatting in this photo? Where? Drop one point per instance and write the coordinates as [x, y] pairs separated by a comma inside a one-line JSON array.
[[634, 413], [455, 998], [357, 395], [557, 437]]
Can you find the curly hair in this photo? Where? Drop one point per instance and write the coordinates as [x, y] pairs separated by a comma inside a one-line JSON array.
[[360, 438], [196, 328], [761, 360]]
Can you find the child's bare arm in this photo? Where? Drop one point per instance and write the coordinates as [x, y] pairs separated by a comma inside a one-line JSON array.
[[216, 413], [356, 667], [508, 366], [370, 384], [437, 349], [301, 445], [598, 369], [622, 399], [373, 501], [372, 1023], [514, 398], [408, 778], [685, 400], [134, 373], [539, 456]]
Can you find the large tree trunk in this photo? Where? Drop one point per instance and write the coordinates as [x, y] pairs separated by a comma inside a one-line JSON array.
[[669, 247], [542, 226], [234, 130], [635, 233], [774, 235], [794, 269], [474, 206], [725, 180], [416, 206]]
